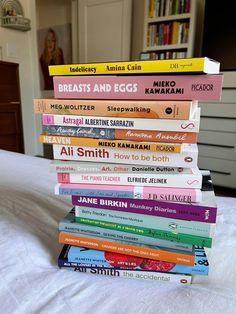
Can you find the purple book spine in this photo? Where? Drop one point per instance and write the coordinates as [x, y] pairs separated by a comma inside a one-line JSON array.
[[185, 211]]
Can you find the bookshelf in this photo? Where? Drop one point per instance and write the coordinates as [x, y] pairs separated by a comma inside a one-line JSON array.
[[169, 29]]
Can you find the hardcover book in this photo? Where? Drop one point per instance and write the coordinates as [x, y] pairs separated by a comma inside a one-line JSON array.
[[147, 251], [185, 65], [75, 256], [118, 108], [165, 87]]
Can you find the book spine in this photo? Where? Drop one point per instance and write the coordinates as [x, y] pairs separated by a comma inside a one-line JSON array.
[[116, 144], [176, 181], [119, 134], [149, 207], [156, 136], [88, 167], [134, 274], [186, 158], [128, 249], [71, 227], [105, 259], [191, 125], [109, 108], [197, 228], [133, 192], [166, 87], [149, 232], [186, 65]]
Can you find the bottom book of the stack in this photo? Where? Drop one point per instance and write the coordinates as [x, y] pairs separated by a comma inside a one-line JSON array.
[[120, 265]]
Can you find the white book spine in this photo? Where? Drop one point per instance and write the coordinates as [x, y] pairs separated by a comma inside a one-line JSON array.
[[187, 158], [159, 180], [136, 274], [191, 125], [99, 167]]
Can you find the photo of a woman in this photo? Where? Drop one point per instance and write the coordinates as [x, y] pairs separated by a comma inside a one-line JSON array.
[[51, 55]]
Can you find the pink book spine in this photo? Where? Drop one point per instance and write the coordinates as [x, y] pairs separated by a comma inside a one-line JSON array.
[[173, 87], [130, 191]]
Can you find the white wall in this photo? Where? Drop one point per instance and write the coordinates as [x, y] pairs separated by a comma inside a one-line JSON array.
[[19, 47]]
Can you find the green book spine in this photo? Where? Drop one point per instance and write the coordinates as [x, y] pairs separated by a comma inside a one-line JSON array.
[[153, 233], [196, 228]]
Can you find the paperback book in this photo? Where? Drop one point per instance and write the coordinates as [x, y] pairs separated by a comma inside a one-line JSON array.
[[134, 274], [122, 134], [188, 178], [187, 158], [118, 144], [68, 224], [204, 211], [116, 108], [75, 256], [149, 87], [124, 122], [185, 65], [147, 251], [64, 166], [198, 228]]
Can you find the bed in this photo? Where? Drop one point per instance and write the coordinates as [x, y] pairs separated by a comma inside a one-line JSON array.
[[31, 282]]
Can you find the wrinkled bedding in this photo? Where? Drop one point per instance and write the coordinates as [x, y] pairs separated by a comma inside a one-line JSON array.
[[31, 282]]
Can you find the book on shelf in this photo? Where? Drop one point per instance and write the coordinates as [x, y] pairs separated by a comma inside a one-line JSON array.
[[204, 211], [75, 256], [191, 125], [186, 65], [140, 87], [118, 144], [68, 224], [122, 134], [186, 159], [187, 178], [117, 108], [147, 251]]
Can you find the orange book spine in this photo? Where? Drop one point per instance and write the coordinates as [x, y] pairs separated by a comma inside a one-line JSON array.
[[123, 248], [156, 136], [175, 110], [123, 145]]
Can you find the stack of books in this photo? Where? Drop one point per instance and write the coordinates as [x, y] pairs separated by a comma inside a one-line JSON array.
[[124, 138]]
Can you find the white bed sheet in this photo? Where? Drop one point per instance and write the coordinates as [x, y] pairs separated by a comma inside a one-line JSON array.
[[31, 282]]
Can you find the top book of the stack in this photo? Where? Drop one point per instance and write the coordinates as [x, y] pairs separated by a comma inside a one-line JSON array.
[[187, 65]]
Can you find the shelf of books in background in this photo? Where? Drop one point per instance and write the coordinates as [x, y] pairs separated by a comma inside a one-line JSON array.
[[125, 150]]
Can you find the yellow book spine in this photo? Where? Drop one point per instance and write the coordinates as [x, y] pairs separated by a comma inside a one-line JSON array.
[[116, 144], [131, 67]]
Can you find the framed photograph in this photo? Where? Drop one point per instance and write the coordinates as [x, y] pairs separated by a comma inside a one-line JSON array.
[[54, 47]]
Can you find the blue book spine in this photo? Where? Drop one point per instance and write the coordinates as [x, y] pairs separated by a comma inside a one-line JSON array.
[[74, 256]]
